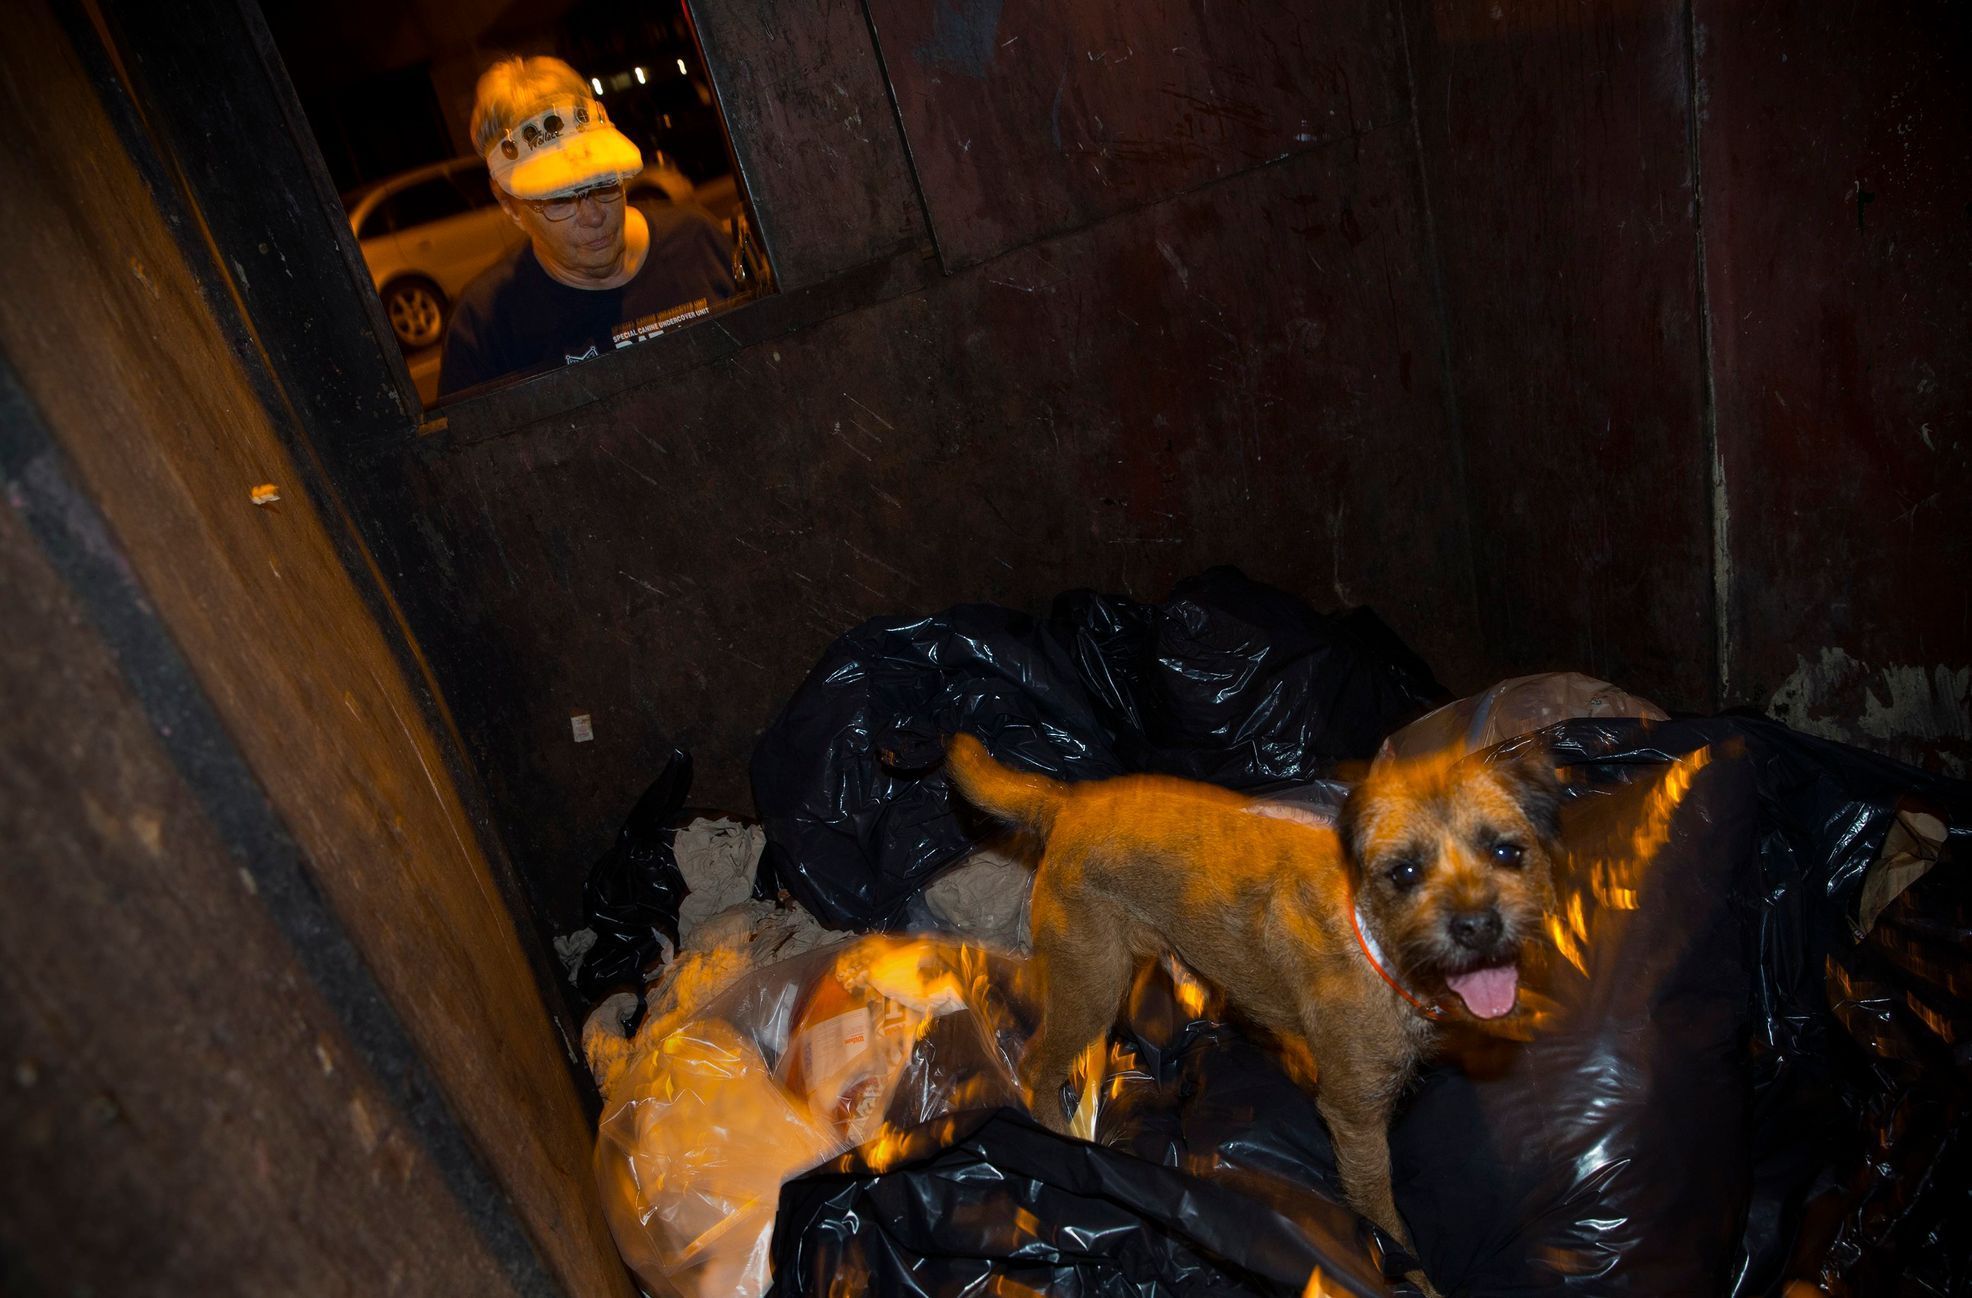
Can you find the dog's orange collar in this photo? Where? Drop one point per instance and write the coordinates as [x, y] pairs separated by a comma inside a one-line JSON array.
[[1374, 957]]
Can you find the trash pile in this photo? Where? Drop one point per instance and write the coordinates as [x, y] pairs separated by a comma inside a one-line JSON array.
[[1746, 1065]]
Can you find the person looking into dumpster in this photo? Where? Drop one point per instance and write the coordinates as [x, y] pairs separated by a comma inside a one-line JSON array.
[[598, 270]]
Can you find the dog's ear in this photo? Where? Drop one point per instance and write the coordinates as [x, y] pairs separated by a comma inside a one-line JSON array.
[[1536, 788]]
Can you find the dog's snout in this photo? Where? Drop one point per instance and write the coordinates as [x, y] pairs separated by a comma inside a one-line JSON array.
[[1476, 930]]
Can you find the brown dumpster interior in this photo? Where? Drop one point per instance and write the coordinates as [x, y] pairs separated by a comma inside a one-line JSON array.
[[1624, 338]]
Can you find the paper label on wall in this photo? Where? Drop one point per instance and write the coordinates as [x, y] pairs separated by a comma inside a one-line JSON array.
[[584, 731]]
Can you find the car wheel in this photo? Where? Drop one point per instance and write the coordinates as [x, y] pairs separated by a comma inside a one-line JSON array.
[[416, 308]]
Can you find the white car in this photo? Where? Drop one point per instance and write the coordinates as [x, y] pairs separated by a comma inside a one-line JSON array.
[[425, 234]]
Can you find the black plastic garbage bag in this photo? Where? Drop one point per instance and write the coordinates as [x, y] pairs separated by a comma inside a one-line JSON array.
[[632, 894], [1209, 1173], [1696, 1086], [1238, 683], [850, 837], [1228, 680], [1890, 1215], [1862, 1080], [994, 1203]]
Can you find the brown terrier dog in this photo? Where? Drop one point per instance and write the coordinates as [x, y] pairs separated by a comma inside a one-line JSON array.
[[1352, 942]]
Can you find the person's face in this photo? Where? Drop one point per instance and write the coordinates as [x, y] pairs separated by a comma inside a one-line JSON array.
[[588, 244]]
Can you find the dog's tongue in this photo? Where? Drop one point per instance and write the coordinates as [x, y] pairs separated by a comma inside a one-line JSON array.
[[1488, 993]]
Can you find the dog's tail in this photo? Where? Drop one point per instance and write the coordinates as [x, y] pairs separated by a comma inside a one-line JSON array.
[[1018, 797]]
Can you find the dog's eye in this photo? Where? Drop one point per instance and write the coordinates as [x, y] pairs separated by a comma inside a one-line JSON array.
[[1404, 875], [1508, 853]]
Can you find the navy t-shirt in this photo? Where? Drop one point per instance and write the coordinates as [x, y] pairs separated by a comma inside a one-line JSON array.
[[516, 318]]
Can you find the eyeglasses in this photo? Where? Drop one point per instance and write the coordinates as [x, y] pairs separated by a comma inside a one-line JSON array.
[[560, 209]]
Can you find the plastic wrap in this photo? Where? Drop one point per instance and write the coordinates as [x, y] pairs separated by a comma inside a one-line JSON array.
[[1228, 680]]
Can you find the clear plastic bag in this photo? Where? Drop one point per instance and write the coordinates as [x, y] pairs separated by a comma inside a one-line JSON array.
[[691, 1161], [800, 1060], [1513, 707]]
